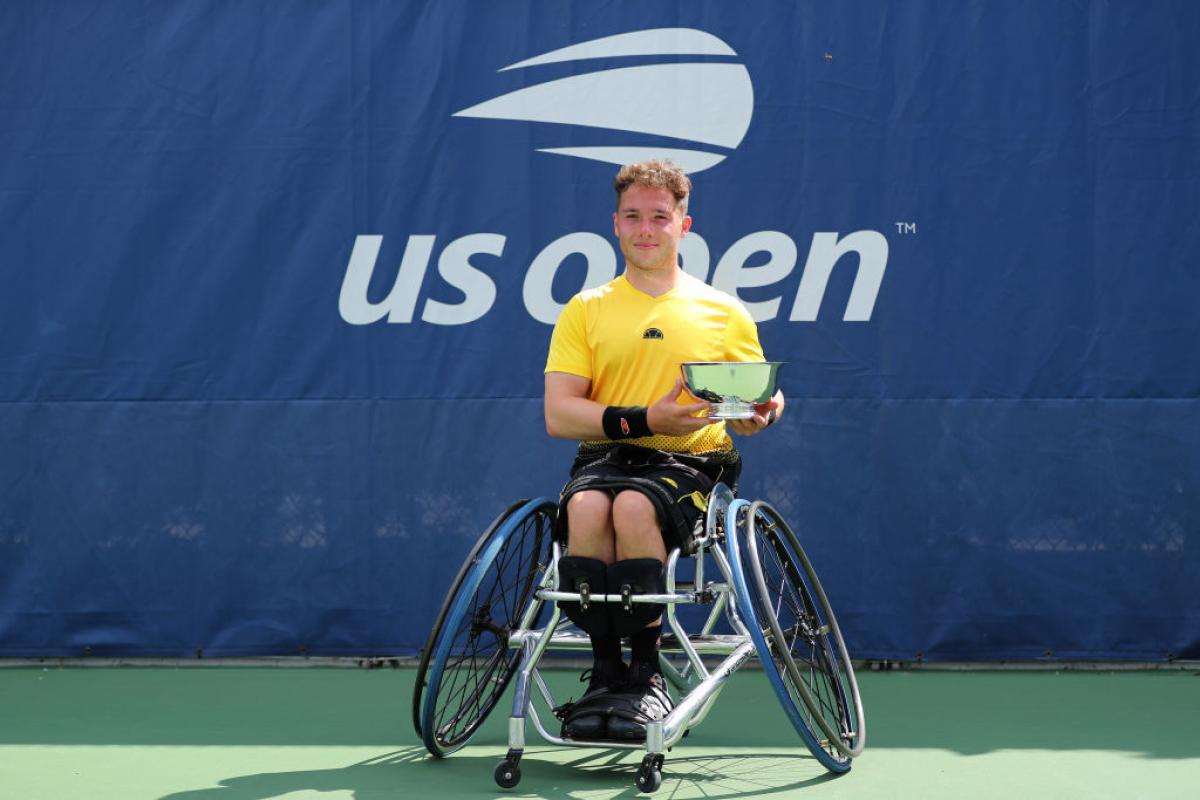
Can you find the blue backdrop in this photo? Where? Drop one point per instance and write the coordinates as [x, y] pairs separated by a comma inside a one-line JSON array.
[[278, 278]]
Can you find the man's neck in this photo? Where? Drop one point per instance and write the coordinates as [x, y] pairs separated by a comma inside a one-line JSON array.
[[654, 282]]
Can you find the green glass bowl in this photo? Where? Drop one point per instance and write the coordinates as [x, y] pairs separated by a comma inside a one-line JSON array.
[[733, 387]]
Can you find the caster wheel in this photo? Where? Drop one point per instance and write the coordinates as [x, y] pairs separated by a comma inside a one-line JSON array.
[[648, 780], [507, 774], [649, 776]]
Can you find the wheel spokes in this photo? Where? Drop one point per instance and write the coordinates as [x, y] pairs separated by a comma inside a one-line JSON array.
[[802, 648], [479, 664]]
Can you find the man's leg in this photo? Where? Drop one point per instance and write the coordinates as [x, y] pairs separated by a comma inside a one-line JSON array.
[[640, 554], [590, 527], [591, 549], [590, 535], [638, 534], [639, 543]]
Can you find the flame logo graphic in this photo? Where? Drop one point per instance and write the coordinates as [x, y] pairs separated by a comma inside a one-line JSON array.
[[708, 103]]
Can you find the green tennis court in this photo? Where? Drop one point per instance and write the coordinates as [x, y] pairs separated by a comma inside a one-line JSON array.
[[240, 733]]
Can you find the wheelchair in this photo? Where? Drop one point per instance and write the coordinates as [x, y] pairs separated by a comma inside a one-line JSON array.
[[501, 616]]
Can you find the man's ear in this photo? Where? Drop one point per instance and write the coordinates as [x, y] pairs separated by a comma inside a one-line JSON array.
[[687, 224]]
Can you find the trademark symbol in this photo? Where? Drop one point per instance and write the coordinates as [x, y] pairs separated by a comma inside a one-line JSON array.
[[906, 227]]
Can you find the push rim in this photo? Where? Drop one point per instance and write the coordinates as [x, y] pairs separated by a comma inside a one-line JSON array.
[[806, 639], [736, 525]]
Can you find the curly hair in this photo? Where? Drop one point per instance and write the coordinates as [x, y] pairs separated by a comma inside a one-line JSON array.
[[658, 175]]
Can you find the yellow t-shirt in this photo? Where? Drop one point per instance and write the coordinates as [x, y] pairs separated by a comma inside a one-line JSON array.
[[630, 346]]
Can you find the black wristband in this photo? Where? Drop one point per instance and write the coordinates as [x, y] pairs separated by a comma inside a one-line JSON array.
[[625, 422]]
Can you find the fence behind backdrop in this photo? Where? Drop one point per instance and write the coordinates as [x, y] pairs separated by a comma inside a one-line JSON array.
[[279, 281]]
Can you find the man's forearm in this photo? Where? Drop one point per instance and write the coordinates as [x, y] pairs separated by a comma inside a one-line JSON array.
[[574, 418]]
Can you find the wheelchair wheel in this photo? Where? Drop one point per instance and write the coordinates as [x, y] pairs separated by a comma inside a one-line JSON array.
[[466, 664], [440, 621], [799, 642]]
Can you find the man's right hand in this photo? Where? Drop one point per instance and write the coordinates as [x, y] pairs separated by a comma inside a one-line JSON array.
[[673, 419]]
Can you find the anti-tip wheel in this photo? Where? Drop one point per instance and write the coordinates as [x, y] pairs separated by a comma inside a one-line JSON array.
[[649, 776], [507, 774], [648, 780]]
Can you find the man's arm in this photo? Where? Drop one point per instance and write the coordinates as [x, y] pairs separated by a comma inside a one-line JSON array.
[[569, 412], [571, 415]]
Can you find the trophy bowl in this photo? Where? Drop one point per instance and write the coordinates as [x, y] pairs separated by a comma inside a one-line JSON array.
[[733, 387]]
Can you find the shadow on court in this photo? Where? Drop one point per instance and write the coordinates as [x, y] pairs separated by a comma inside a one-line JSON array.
[[553, 771], [972, 713]]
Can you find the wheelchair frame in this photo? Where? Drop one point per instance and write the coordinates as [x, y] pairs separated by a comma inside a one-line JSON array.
[[819, 694]]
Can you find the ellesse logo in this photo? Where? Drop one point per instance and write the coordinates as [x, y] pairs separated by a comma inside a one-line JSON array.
[[711, 102], [652, 333]]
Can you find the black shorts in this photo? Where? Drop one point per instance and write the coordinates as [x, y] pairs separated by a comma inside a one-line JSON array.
[[683, 484]]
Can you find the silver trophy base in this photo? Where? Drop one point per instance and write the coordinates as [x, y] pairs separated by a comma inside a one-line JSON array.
[[734, 410]]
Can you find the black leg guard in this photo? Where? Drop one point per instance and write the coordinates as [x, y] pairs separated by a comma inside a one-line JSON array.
[[586, 576], [635, 576]]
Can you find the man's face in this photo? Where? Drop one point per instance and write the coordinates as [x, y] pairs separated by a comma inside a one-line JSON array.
[[649, 227]]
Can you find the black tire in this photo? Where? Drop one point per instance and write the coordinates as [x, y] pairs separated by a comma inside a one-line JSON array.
[[806, 644], [466, 665], [649, 777], [507, 774], [440, 621]]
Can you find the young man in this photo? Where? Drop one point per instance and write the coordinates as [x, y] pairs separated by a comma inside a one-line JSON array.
[[648, 455]]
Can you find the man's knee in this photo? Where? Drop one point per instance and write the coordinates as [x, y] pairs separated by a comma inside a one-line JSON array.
[[590, 501], [589, 512], [632, 511], [589, 524], [636, 524]]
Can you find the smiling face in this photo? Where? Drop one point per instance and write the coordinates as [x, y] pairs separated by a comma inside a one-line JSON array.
[[649, 225]]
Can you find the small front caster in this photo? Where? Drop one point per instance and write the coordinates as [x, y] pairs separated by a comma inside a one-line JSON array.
[[649, 776], [508, 771]]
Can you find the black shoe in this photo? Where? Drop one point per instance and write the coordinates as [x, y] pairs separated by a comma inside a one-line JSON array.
[[587, 718], [643, 700]]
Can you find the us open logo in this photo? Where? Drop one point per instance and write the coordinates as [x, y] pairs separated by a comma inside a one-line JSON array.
[[705, 106], [703, 109]]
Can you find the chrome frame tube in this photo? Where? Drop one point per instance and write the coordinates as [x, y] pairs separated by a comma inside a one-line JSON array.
[[659, 599], [681, 717], [722, 591], [742, 638], [533, 647], [680, 634], [572, 641], [674, 676], [532, 610], [722, 597], [731, 613], [516, 733]]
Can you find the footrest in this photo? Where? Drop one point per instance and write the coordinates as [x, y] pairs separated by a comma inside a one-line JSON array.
[[714, 644], [705, 645]]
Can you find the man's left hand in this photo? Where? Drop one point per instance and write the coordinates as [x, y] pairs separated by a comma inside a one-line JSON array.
[[751, 426]]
